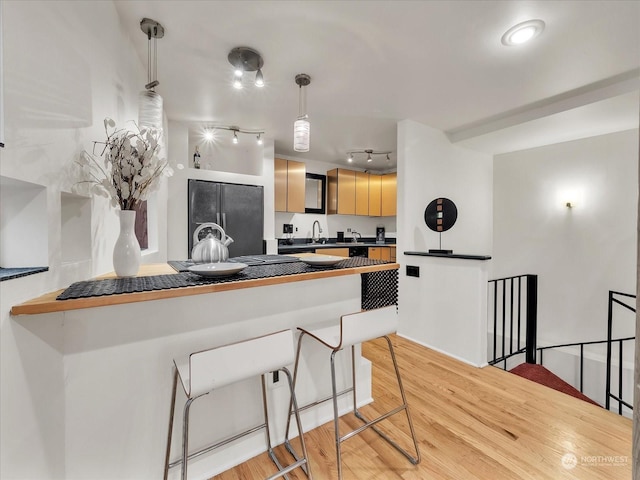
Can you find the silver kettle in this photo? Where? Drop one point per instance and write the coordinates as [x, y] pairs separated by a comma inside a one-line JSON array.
[[210, 249]]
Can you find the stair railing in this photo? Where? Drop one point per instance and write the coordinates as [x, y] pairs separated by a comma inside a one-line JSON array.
[[517, 314], [581, 345], [614, 299], [609, 341]]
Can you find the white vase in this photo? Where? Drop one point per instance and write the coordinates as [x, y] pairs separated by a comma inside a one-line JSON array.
[[126, 252]]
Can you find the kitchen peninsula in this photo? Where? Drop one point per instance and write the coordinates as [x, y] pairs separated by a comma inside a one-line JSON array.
[[115, 354]]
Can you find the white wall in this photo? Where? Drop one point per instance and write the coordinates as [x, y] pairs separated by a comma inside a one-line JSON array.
[[67, 65], [579, 253], [445, 308]]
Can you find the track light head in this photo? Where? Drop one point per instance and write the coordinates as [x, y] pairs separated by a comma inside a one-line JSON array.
[[259, 79]]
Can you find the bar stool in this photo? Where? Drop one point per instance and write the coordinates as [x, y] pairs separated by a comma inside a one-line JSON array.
[[353, 329], [201, 373]]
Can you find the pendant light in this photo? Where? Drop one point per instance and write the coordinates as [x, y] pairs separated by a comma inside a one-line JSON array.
[[150, 102], [302, 127]]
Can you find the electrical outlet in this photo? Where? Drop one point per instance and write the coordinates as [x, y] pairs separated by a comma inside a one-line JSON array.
[[348, 230], [413, 271], [275, 379]]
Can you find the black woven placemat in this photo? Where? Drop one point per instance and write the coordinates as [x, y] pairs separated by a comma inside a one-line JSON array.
[[114, 286]]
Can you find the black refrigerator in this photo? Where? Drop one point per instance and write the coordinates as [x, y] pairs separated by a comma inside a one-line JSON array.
[[238, 209]]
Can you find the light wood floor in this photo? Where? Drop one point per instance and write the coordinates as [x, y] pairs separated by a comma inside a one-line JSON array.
[[471, 423]]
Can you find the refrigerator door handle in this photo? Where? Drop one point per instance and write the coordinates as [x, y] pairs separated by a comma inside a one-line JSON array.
[[224, 221], [218, 218]]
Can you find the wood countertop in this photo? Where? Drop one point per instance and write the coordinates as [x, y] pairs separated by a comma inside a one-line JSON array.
[[47, 303]]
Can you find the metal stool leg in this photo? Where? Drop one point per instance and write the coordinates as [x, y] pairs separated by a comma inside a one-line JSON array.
[[336, 415], [415, 460], [353, 378], [171, 414], [185, 437], [295, 378], [304, 461], [270, 451], [371, 423]]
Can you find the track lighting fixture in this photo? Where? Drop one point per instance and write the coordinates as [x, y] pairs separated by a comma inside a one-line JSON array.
[[208, 133], [245, 59], [370, 154]]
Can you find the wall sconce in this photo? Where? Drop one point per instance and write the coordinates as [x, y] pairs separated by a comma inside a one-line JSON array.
[[369, 153], [570, 197], [245, 59], [150, 103], [236, 130]]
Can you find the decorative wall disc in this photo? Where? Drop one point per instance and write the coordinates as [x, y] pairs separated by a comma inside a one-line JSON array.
[[441, 214]]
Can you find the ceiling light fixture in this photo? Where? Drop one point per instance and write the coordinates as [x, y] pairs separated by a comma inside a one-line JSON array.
[[522, 32], [236, 130], [370, 153], [150, 103], [259, 79], [302, 127], [245, 59]]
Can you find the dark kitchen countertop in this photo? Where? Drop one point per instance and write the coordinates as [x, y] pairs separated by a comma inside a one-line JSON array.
[[301, 244]]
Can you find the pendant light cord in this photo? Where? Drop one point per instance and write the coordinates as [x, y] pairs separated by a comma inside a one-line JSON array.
[[301, 103], [155, 53]]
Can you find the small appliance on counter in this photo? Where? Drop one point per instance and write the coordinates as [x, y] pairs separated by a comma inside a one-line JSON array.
[[380, 234], [340, 236]]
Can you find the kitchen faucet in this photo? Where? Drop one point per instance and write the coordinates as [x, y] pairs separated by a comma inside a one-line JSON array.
[[354, 233], [313, 231]]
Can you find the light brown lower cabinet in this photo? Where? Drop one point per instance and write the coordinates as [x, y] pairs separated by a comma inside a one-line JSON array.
[[338, 252], [380, 253]]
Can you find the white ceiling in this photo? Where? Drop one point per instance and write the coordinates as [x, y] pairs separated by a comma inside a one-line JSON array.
[[374, 63]]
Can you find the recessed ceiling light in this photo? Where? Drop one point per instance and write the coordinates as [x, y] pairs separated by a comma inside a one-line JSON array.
[[523, 32]]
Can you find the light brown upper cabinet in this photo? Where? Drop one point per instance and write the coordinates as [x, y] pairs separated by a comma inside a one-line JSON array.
[[289, 177], [389, 195], [341, 191], [362, 193], [375, 195]]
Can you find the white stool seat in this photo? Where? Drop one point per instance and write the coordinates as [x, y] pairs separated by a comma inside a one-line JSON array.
[[353, 329], [203, 372], [357, 327]]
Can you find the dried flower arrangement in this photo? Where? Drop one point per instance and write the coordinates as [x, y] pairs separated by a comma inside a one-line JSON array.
[[130, 169]]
